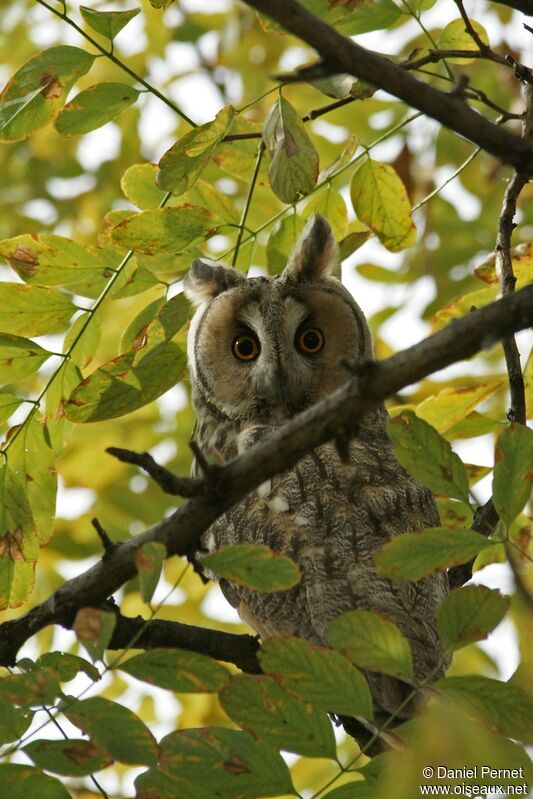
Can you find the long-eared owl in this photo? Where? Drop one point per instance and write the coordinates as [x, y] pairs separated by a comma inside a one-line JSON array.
[[261, 350]]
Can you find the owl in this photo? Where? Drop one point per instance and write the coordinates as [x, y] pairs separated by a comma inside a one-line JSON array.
[[261, 350]]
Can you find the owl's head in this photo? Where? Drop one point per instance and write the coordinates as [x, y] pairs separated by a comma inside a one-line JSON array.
[[264, 348]]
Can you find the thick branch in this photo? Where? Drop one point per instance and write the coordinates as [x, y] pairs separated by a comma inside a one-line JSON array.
[[341, 54], [332, 418], [241, 650]]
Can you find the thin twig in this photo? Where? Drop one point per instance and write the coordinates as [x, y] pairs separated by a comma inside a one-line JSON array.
[[244, 216], [504, 265], [472, 32], [169, 482], [436, 55]]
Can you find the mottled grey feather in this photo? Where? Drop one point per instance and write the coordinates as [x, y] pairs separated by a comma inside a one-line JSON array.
[[329, 515]]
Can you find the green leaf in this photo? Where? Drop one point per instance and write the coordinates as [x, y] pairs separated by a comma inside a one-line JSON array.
[[19, 357], [126, 383], [352, 242], [348, 152], [451, 405], [380, 201], [260, 706], [157, 322], [353, 790], [293, 168], [475, 424], [455, 37], [182, 165], [59, 427], [330, 203], [14, 722], [135, 332], [32, 460], [50, 260], [38, 90], [149, 560], [428, 456], [67, 665], [82, 339], [218, 761], [504, 708], [462, 305], [422, 5], [177, 670], [139, 186], [411, 556], [72, 757], [381, 275], [39, 687], [19, 546], [108, 23], [369, 15], [26, 782], [168, 321], [153, 783], [116, 728], [208, 196], [317, 674], [238, 158], [254, 566], [469, 614], [8, 405], [165, 231], [93, 107], [513, 472], [94, 628], [281, 241], [372, 642], [33, 310]]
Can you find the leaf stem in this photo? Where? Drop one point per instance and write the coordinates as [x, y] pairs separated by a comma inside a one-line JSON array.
[[260, 152]]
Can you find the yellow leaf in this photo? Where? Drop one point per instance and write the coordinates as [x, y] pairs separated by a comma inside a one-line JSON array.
[[449, 406], [455, 37], [380, 201], [522, 259]]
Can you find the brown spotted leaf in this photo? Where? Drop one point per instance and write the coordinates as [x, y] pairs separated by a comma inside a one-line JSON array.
[[38, 90], [19, 546], [72, 758], [293, 169]]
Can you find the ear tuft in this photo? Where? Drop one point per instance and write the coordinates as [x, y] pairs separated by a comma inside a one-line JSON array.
[[206, 279], [316, 253]]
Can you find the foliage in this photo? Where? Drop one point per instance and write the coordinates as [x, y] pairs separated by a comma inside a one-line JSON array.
[[108, 191]]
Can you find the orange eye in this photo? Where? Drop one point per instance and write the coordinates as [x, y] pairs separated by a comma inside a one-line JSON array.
[[245, 348], [310, 340]]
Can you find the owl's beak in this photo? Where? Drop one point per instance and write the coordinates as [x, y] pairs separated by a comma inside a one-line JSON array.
[[272, 387]]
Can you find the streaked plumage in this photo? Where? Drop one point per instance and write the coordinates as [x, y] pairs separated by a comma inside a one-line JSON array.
[[327, 513]]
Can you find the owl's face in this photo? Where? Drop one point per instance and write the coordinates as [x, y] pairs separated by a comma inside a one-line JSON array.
[[263, 349]]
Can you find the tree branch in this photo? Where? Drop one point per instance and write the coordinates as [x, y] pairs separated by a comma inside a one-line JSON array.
[[332, 418], [341, 54], [241, 650]]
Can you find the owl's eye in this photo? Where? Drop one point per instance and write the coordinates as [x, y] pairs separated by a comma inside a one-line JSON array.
[[245, 348], [310, 340]]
